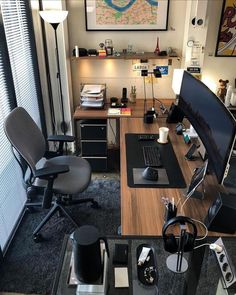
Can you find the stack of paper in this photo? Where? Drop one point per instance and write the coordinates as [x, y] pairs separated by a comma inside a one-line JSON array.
[[92, 96]]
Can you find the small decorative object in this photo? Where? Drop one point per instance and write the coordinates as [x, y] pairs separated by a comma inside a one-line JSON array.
[[130, 48], [109, 47], [102, 51], [228, 96], [157, 50], [76, 51], [133, 94], [222, 90], [233, 98]]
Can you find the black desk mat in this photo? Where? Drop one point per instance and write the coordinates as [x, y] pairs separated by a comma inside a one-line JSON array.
[[134, 159]]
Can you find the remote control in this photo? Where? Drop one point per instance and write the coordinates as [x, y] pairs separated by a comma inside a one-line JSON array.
[[146, 137]]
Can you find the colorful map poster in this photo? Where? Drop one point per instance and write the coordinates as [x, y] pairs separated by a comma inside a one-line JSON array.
[[126, 15]]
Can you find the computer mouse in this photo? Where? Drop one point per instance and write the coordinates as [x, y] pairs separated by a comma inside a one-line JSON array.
[[150, 173]]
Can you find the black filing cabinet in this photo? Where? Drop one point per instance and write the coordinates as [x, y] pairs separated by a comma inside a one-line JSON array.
[[93, 143]]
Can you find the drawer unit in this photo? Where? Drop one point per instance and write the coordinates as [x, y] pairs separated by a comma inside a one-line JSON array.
[[93, 148], [93, 143], [98, 164], [96, 129]]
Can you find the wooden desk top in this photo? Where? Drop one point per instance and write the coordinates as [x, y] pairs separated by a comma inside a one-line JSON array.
[[136, 110], [142, 211]]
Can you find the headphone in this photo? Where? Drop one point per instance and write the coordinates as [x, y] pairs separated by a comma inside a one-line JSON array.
[[171, 243]]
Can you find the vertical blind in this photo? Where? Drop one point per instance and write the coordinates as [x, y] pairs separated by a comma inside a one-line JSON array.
[[12, 194], [17, 31], [18, 87]]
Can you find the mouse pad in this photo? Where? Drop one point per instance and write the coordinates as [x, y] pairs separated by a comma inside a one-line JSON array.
[[135, 160], [138, 178]]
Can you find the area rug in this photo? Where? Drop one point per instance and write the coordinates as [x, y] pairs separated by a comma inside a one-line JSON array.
[[30, 267]]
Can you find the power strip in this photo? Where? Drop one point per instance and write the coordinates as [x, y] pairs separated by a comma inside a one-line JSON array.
[[226, 267]]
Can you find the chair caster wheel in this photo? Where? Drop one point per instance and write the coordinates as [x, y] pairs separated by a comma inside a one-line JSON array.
[[31, 193], [95, 205], [38, 238], [30, 209]]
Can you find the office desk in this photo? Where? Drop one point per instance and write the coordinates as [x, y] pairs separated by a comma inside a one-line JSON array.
[[142, 211], [137, 110]]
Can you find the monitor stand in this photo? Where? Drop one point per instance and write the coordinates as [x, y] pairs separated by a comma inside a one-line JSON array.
[[197, 193], [197, 181]]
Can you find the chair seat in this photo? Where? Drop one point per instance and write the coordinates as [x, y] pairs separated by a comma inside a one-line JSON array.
[[72, 182]]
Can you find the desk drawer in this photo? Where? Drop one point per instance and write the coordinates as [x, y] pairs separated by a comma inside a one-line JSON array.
[[93, 131], [98, 164], [94, 147]]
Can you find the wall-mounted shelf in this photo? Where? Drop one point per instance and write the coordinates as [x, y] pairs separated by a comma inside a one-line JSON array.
[[128, 56]]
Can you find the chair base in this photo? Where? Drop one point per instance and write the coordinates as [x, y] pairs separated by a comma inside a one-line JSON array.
[[58, 206]]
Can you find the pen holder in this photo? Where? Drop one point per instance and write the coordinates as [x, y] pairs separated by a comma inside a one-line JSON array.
[[170, 213]]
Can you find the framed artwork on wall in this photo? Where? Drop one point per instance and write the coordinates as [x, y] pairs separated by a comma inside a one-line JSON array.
[[226, 42], [128, 15]]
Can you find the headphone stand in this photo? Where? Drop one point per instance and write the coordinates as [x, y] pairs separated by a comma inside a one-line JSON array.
[[176, 262]]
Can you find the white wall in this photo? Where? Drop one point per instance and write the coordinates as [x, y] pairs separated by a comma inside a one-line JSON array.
[[118, 74]]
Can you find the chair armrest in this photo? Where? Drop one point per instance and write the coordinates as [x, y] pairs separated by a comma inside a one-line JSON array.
[[61, 138], [51, 171]]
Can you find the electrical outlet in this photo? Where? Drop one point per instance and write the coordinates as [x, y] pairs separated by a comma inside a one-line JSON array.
[[226, 266]]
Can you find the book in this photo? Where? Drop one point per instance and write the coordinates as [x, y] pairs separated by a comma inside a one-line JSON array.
[[125, 111], [119, 111], [113, 111]]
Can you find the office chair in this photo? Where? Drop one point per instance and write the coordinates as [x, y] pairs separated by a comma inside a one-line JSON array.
[[60, 178]]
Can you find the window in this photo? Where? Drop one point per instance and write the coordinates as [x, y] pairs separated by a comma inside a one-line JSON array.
[[18, 34], [12, 194], [19, 86]]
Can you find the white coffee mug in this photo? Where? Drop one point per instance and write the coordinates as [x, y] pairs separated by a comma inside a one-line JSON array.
[[163, 134]]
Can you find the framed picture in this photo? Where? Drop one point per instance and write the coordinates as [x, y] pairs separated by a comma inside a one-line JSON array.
[[226, 42], [129, 15]]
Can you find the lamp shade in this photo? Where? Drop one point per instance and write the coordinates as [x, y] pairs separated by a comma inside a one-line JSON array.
[[53, 16], [177, 80]]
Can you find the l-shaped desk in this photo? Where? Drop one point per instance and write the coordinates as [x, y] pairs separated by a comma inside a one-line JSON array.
[[142, 210]]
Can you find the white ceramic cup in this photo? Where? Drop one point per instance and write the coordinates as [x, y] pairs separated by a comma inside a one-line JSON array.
[[163, 134]]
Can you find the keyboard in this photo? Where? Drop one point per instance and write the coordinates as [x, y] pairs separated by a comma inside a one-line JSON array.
[[152, 157]]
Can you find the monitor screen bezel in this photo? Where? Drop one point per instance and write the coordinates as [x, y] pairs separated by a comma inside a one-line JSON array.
[[220, 175]]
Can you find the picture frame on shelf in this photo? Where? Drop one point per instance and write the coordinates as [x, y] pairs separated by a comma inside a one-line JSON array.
[[106, 15], [226, 41]]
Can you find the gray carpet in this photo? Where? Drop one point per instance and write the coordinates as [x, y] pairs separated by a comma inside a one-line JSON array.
[[30, 267]]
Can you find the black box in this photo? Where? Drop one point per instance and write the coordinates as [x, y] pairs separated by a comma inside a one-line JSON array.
[[221, 216]]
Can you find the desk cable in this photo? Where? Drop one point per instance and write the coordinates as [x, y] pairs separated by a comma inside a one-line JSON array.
[[112, 130], [206, 230], [212, 246]]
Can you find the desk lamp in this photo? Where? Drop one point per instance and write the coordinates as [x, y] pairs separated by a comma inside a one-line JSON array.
[[150, 114], [54, 18]]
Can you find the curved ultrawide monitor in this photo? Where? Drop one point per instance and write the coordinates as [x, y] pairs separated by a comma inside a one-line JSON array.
[[212, 121]]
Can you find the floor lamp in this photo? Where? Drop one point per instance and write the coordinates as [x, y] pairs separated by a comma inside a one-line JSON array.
[[55, 17]]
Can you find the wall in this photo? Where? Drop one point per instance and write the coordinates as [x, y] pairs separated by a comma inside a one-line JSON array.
[[118, 74]]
